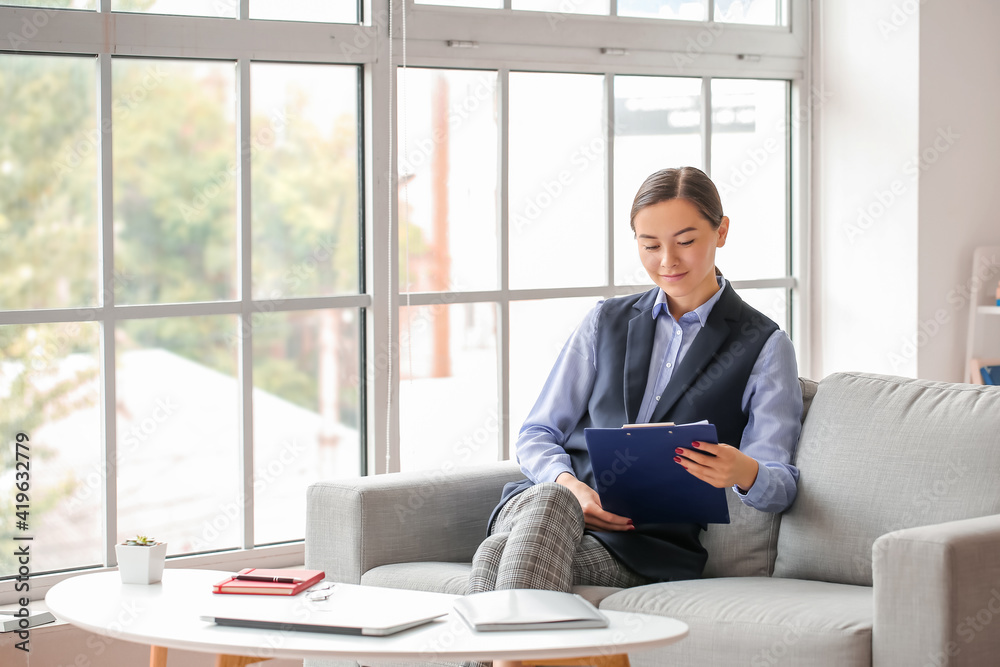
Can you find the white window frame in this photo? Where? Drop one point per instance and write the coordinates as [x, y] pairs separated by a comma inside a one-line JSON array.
[[504, 40]]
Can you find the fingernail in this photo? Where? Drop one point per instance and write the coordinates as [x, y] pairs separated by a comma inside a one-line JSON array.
[[696, 444], [677, 458], [679, 450]]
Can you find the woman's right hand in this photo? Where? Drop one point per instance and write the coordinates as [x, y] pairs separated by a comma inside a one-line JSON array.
[[595, 517]]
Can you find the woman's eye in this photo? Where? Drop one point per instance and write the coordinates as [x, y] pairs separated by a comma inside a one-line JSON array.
[[686, 243], [650, 247]]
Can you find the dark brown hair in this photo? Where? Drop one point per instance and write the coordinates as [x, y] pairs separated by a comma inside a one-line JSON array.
[[687, 183]]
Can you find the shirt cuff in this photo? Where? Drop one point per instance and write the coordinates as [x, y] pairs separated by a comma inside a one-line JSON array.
[[553, 471], [757, 493]]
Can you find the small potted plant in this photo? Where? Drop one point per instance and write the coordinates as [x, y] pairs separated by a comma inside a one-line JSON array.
[[140, 560]]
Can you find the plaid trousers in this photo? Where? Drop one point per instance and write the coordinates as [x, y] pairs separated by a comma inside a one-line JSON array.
[[538, 541]]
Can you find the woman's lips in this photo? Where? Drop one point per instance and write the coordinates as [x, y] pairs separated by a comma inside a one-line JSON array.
[[673, 278]]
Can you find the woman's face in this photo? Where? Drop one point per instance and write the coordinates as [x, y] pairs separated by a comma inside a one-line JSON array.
[[677, 249]]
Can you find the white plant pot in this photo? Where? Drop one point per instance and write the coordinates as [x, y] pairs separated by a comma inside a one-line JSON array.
[[141, 565]]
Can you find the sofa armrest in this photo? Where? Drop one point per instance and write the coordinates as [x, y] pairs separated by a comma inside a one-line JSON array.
[[937, 594], [355, 525]]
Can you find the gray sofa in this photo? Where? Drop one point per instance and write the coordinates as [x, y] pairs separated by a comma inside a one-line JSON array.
[[890, 554]]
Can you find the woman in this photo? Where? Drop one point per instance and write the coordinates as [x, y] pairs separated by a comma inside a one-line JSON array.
[[686, 350]]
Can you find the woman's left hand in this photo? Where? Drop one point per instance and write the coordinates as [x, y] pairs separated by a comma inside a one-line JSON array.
[[720, 465]]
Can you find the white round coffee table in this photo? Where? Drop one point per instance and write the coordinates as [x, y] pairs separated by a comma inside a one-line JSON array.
[[167, 615]]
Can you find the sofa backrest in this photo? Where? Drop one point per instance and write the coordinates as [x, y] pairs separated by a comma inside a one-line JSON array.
[[746, 547], [879, 453]]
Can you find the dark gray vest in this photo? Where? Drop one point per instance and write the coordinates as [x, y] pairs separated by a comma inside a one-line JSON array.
[[708, 384]]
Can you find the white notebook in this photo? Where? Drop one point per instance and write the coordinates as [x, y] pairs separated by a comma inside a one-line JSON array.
[[527, 609]]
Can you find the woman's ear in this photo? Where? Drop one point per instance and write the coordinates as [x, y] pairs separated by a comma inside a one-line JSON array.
[[723, 231]]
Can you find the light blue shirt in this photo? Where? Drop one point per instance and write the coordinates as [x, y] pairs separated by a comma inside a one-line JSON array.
[[772, 402]]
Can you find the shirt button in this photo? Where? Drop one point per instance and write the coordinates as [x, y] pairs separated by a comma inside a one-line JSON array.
[[669, 364], [657, 398]]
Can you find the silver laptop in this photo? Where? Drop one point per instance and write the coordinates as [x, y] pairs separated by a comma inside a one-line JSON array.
[[349, 610]]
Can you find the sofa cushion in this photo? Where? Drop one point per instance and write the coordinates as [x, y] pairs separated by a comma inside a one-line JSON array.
[[879, 453], [757, 621], [746, 547], [434, 577]]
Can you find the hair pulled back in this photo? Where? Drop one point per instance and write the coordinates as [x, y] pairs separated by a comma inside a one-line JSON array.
[[688, 183]]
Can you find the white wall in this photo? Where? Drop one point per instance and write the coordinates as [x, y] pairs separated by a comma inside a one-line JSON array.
[[960, 192], [909, 135], [865, 201]]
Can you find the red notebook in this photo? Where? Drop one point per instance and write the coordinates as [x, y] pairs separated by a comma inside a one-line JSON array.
[[234, 584]]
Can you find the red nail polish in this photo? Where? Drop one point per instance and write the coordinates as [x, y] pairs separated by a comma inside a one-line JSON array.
[[696, 444], [679, 450], [677, 458]]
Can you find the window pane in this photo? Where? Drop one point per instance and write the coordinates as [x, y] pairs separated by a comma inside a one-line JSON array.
[[341, 11], [538, 331], [448, 358], [557, 203], [50, 391], [657, 125], [174, 180], [178, 432], [219, 8], [48, 178], [683, 10], [304, 152], [564, 6], [750, 168], [750, 12], [306, 411], [448, 180], [773, 302]]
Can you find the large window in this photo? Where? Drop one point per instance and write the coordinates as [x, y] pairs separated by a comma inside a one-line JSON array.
[[274, 247]]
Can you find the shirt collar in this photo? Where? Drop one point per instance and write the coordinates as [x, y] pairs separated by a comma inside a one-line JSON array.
[[702, 311]]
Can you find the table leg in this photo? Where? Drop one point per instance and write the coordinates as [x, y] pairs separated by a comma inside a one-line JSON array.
[[157, 656], [236, 660], [619, 660]]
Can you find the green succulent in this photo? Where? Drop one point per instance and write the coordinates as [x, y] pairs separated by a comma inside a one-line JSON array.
[[140, 541]]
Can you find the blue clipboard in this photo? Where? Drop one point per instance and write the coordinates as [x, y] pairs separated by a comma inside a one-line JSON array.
[[637, 477]]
